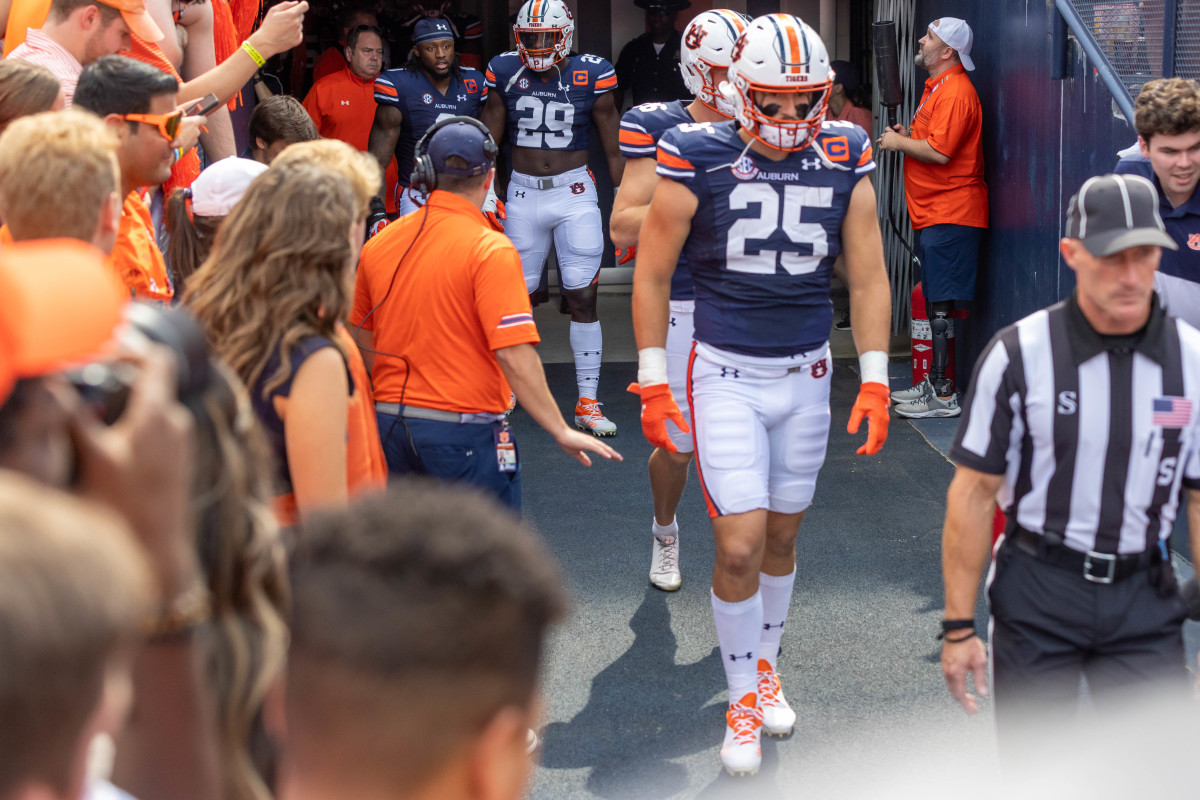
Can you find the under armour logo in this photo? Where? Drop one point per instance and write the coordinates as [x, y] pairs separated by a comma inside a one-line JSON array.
[[810, 163], [735, 656], [462, 98], [672, 322], [345, 102], [518, 193], [767, 626], [726, 372]]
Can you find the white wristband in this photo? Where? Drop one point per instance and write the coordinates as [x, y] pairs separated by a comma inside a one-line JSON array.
[[652, 366], [873, 367]]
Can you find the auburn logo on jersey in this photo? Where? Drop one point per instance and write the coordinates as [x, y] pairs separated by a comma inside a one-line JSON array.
[[1194, 241], [695, 36]]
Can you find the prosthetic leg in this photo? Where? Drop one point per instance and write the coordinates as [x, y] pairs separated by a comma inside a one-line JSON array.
[[939, 325]]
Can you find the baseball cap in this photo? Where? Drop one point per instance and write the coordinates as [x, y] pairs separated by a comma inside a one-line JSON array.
[[218, 189], [431, 29], [59, 304], [137, 18], [466, 139], [957, 34], [1115, 212], [846, 74]]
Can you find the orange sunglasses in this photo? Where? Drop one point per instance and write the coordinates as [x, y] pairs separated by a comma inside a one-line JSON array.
[[167, 124]]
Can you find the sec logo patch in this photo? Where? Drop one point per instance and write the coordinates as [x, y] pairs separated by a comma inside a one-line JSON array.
[[427, 98], [745, 169], [1194, 241], [523, 83]]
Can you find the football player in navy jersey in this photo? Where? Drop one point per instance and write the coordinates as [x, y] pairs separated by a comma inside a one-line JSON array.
[[545, 99], [762, 207], [431, 86], [704, 58]]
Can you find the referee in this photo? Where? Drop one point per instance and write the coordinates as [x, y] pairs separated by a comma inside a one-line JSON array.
[[1082, 423]]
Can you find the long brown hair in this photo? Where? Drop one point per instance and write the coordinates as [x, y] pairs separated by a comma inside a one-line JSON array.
[[191, 238], [245, 567], [25, 89], [279, 270]]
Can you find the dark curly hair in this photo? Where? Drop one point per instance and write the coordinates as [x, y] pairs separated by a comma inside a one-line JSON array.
[[1169, 106]]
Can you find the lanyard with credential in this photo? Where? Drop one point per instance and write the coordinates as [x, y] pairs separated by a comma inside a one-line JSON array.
[[925, 100]]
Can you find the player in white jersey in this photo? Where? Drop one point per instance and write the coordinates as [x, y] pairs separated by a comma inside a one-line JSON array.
[[762, 208], [707, 47], [546, 99]]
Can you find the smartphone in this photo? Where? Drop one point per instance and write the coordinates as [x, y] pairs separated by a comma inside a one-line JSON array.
[[203, 107]]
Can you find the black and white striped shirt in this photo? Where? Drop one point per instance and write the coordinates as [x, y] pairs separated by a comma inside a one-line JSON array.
[[1093, 434]]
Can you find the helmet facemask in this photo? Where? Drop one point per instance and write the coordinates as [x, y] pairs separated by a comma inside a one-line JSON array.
[[541, 48], [764, 124]]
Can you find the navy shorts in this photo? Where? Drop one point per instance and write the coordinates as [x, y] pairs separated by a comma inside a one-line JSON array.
[[449, 451], [949, 255]]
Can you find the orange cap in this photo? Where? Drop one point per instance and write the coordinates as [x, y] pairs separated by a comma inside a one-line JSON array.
[[137, 18], [58, 305]]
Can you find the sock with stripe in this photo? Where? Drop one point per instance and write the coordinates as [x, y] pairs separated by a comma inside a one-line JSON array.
[[738, 629], [587, 342], [776, 591]]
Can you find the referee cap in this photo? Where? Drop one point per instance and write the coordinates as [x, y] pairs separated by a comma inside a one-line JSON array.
[[59, 305], [1115, 212]]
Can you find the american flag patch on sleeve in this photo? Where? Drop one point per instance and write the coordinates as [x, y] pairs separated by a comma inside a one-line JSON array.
[[1172, 412], [513, 320]]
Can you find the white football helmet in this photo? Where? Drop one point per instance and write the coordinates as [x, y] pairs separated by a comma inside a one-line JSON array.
[[707, 43], [544, 31], [779, 54]]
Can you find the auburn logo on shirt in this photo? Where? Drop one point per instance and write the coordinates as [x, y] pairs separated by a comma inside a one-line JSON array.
[[1194, 241]]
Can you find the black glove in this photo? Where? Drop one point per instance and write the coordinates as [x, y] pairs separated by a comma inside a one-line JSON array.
[[377, 220]]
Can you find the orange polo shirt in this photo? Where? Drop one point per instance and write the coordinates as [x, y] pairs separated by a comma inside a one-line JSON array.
[[950, 118], [458, 296], [136, 257], [342, 106]]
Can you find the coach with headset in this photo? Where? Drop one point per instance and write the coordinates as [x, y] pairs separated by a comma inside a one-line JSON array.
[[444, 322]]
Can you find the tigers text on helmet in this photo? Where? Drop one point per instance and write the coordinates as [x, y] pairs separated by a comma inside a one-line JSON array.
[[544, 30], [708, 42], [779, 54]]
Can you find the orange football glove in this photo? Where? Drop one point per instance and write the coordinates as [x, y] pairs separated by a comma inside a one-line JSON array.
[[658, 406], [872, 403], [496, 218], [626, 255]]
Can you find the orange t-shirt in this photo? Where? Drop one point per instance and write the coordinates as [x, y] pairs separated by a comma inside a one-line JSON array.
[[366, 468], [136, 258], [342, 106], [950, 118], [458, 295]]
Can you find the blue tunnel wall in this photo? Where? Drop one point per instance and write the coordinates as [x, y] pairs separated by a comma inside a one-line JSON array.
[[1042, 138]]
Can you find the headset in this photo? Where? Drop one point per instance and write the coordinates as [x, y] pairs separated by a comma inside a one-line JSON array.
[[424, 176]]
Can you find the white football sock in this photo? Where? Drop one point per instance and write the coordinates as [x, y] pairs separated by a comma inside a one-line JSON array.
[[776, 591], [738, 629], [665, 533], [587, 342]]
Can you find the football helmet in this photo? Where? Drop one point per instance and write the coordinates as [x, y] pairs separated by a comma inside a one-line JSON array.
[[708, 42], [779, 54], [544, 30]]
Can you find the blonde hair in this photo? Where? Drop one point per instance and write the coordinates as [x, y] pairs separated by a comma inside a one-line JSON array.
[[361, 169], [25, 89], [73, 589], [57, 170], [245, 566], [279, 271]]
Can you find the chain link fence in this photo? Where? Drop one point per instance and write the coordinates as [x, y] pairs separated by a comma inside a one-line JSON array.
[[1147, 39]]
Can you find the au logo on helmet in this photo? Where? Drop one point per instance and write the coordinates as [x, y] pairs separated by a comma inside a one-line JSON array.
[[695, 36]]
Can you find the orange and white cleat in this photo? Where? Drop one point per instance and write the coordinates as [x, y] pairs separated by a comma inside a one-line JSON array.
[[589, 417], [741, 753], [778, 718]]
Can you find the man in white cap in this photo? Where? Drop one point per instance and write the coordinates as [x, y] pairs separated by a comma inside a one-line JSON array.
[[946, 196]]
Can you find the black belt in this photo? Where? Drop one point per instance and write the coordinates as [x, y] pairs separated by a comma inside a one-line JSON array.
[[1095, 567]]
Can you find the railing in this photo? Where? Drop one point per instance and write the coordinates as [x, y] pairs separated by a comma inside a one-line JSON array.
[[1108, 31]]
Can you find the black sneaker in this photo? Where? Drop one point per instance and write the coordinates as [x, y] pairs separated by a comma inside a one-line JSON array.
[[843, 324]]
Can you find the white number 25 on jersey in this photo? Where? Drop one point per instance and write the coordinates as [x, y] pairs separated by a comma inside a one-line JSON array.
[[795, 198], [558, 118]]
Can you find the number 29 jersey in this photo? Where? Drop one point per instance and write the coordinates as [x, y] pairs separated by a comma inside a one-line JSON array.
[[765, 233], [551, 114]]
